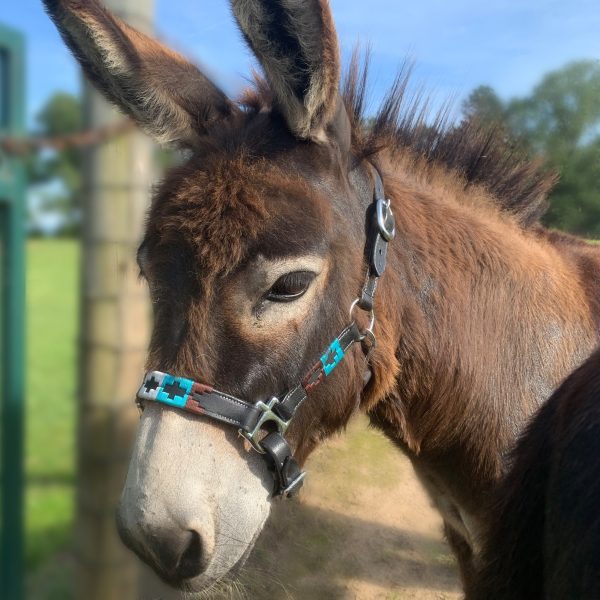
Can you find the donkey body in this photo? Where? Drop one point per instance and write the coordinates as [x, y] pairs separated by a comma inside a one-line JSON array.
[[254, 252], [544, 541]]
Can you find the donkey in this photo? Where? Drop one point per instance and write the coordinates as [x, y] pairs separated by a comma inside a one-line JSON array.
[[256, 247], [545, 539]]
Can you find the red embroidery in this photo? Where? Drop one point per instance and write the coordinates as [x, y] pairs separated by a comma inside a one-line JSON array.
[[201, 388], [311, 380]]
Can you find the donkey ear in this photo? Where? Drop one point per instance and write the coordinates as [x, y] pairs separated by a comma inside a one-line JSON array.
[[296, 44], [163, 92]]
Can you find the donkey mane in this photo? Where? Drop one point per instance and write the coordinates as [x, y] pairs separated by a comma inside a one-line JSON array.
[[473, 152], [479, 153]]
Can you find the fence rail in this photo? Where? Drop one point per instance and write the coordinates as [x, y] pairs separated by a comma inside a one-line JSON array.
[[20, 146]]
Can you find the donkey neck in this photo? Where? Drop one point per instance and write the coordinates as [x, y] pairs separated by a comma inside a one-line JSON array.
[[492, 318]]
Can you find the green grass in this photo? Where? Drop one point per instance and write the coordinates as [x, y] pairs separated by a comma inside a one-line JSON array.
[[52, 288]]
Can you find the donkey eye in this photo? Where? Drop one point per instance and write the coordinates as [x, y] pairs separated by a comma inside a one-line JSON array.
[[290, 286]]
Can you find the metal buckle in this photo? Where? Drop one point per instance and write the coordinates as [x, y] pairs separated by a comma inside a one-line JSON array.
[[290, 489], [385, 220], [268, 415]]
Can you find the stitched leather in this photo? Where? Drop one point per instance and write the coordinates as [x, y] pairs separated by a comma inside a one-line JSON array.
[[226, 408], [285, 468]]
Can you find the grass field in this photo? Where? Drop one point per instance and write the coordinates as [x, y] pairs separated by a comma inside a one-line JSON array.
[[52, 287]]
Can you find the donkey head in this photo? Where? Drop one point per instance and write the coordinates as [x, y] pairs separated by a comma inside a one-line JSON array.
[[253, 254]]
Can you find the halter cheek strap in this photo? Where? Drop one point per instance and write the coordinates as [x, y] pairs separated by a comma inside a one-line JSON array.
[[264, 424]]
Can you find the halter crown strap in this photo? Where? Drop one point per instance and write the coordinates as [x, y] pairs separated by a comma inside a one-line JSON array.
[[273, 417]]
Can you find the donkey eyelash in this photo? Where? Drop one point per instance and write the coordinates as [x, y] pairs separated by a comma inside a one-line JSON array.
[[290, 287], [140, 266], [140, 258]]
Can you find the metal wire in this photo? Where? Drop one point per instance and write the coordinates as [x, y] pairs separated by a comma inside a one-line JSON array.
[[20, 146]]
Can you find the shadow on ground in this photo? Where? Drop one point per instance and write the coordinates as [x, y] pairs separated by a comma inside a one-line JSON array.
[[309, 552]]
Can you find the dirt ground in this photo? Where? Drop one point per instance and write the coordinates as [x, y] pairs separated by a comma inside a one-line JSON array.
[[361, 529]]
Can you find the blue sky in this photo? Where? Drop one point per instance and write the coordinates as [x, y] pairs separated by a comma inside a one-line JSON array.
[[457, 44]]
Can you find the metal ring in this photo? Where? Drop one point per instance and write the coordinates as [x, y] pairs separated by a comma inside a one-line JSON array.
[[369, 329], [373, 343], [353, 306], [371, 313], [373, 340]]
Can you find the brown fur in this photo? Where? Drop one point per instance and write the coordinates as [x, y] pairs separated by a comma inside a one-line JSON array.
[[296, 42], [481, 312]]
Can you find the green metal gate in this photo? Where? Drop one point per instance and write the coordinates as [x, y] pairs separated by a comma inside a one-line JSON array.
[[12, 307]]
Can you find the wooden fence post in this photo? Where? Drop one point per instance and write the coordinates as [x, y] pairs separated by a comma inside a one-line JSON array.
[[113, 339]]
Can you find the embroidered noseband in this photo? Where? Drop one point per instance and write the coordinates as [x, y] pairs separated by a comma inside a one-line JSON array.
[[264, 424]]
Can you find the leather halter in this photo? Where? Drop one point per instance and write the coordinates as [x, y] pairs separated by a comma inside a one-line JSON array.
[[251, 419]]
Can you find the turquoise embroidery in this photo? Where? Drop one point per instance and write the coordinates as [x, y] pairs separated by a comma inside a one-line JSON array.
[[332, 357], [174, 391]]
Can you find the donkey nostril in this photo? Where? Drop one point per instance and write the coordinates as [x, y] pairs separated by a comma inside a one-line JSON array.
[[175, 554], [191, 562]]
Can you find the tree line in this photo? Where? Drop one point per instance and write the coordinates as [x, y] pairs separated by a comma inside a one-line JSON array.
[[560, 122]]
